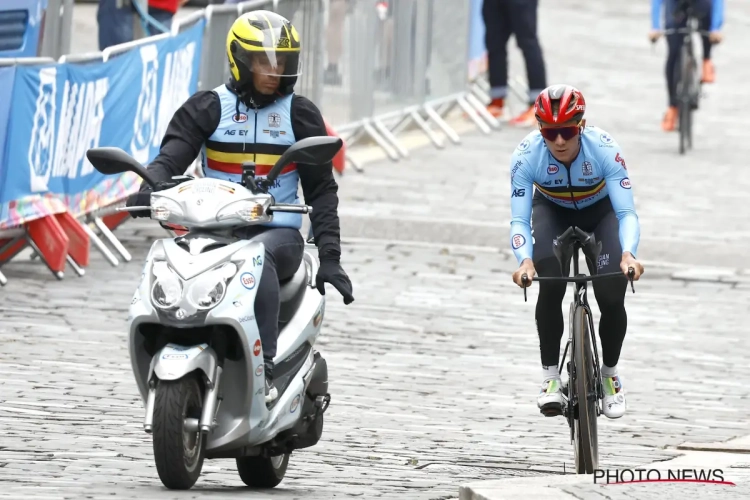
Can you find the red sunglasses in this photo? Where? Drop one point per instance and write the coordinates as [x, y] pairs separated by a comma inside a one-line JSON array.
[[567, 133]]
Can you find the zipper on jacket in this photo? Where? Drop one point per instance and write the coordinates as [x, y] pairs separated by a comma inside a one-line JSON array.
[[255, 137], [570, 186]]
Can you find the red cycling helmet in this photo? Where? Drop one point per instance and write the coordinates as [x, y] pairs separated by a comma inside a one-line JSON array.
[[570, 105]]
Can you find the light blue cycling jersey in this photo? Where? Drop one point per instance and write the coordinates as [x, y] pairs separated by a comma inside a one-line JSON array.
[[716, 8], [597, 172]]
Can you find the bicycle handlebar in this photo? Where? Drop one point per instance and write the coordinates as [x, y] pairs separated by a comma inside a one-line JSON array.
[[683, 31], [679, 31], [576, 279]]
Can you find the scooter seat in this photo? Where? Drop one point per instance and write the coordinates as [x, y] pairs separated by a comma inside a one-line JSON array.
[[291, 294]]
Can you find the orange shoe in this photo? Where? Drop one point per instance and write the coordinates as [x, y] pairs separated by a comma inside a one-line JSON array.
[[495, 108], [668, 124], [709, 75], [525, 119]]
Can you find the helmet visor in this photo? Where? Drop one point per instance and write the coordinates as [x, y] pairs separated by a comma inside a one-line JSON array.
[[271, 62]]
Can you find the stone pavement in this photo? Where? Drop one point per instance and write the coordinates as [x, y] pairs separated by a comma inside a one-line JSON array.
[[434, 368], [613, 483]]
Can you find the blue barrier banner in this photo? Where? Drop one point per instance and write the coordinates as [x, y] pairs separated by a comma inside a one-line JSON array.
[[477, 49], [60, 111], [7, 75]]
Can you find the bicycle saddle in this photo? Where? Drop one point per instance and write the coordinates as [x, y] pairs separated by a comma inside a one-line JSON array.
[[564, 246]]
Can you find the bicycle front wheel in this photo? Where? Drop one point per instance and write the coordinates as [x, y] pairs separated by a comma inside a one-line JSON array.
[[685, 70], [587, 443]]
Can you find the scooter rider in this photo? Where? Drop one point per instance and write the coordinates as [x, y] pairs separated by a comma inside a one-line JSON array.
[[255, 117]]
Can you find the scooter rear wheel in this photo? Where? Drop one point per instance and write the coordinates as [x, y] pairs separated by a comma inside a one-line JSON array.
[[178, 453], [263, 472]]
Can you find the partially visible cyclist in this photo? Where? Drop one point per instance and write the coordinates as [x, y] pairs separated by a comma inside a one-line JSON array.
[[581, 180], [710, 16]]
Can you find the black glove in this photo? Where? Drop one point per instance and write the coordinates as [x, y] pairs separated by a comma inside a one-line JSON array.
[[140, 199], [331, 272]]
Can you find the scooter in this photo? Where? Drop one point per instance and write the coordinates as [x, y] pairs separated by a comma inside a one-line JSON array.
[[194, 345]]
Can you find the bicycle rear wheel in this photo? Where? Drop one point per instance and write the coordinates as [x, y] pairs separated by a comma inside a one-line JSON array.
[[586, 442]]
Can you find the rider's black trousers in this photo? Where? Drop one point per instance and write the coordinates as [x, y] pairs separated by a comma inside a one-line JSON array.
[[549, 221], [284, 250], [503, 18]]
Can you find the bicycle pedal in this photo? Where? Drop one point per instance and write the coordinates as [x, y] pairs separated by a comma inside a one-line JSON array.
[[551, 410]]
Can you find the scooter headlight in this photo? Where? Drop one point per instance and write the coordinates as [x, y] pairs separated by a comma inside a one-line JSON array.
[[167, 289], [209, 288], [254, 210]]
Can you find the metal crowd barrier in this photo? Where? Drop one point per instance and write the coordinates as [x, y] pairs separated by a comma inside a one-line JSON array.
[[404, 67], [58, 27], [374, 68]]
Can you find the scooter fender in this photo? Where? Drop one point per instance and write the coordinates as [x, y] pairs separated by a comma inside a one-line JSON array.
[[174, 361]]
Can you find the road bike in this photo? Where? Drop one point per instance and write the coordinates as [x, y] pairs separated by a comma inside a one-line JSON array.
[[584, 377], [687, 76]]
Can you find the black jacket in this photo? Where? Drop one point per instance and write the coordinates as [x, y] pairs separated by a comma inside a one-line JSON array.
[[197, 119]]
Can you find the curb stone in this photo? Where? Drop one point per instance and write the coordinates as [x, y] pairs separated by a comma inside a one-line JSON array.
[[727, 455], [540, 487]]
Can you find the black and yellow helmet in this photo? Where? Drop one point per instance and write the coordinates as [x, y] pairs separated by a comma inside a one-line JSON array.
[[264, 42]]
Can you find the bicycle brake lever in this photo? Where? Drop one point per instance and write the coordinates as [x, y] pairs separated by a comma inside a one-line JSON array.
[[524, 281], [631, 273]]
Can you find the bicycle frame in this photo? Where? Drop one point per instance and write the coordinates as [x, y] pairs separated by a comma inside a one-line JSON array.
[[581, 300]]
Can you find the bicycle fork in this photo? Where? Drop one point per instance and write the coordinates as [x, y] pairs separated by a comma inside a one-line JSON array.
[[598, 387]]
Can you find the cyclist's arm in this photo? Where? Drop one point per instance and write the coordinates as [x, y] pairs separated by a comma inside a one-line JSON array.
[[656, 14], [621, 196], [521, 191], [717, 15]]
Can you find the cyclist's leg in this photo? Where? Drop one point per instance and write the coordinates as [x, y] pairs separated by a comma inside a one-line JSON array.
[[703, 13], [548, 221], [610, 297]]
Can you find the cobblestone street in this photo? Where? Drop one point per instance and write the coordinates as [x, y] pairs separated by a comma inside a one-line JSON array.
[[434, 369]]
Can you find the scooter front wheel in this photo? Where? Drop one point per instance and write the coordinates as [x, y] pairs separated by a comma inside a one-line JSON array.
[[263, 472], [178, 452]]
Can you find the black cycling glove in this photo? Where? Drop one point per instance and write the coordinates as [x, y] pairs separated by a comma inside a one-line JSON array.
[[140, 199], [331, 272]]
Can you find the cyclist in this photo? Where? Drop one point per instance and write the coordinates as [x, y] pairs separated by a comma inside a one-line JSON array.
[[710, 16], [256, 116], [581, 180]]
